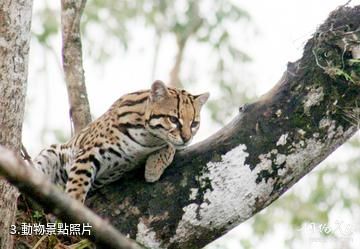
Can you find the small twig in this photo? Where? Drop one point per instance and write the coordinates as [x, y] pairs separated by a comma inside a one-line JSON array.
[[317, 61], [25, 155], [40, 241], [83, 244], [346, 4], [23, 244]]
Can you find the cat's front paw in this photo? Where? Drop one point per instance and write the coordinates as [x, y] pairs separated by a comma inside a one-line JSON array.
[[152, 176]]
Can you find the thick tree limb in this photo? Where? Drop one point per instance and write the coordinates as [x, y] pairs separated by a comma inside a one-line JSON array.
[[15, 20], [71, 11], [219, 183], [40, 189]]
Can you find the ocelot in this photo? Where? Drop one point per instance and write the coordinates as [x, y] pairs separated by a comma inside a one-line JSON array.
[[145, 126]]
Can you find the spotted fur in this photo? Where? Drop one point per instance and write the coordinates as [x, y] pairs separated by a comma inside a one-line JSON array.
[[144, 126]]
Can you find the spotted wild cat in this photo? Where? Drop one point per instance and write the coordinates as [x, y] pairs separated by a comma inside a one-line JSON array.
[[145, 125]]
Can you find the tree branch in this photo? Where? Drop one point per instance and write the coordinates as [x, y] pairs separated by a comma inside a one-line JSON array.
[[71, 11], [175, 71], [41, 190], [217, 184]]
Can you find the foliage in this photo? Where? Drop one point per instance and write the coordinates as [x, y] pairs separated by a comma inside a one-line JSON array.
[[208, 23], [212, 24]]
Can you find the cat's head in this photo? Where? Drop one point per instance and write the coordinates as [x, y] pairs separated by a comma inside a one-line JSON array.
[[173, 114]]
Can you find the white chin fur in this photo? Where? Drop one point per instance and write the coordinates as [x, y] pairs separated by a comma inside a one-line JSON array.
[[179, 147]]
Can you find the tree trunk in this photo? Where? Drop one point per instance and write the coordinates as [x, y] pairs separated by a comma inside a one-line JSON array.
[[15, 20], [175, 71], [71, 12], [215, 185], [158, 38]]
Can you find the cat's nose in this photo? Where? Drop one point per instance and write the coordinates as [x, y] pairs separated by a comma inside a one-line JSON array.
[[185, 137]]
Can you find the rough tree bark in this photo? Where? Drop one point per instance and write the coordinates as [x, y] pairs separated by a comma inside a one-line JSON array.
[[219, 183], [15, 21], [71, 11]]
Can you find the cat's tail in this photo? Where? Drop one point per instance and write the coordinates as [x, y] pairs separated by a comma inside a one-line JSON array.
[[51, 162]]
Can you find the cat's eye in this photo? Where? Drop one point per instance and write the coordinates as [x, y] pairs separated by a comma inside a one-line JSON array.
[[194, 124], [174, 120]]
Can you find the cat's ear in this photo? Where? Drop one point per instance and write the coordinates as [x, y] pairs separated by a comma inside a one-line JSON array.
[[202, 98], [158, 91]]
